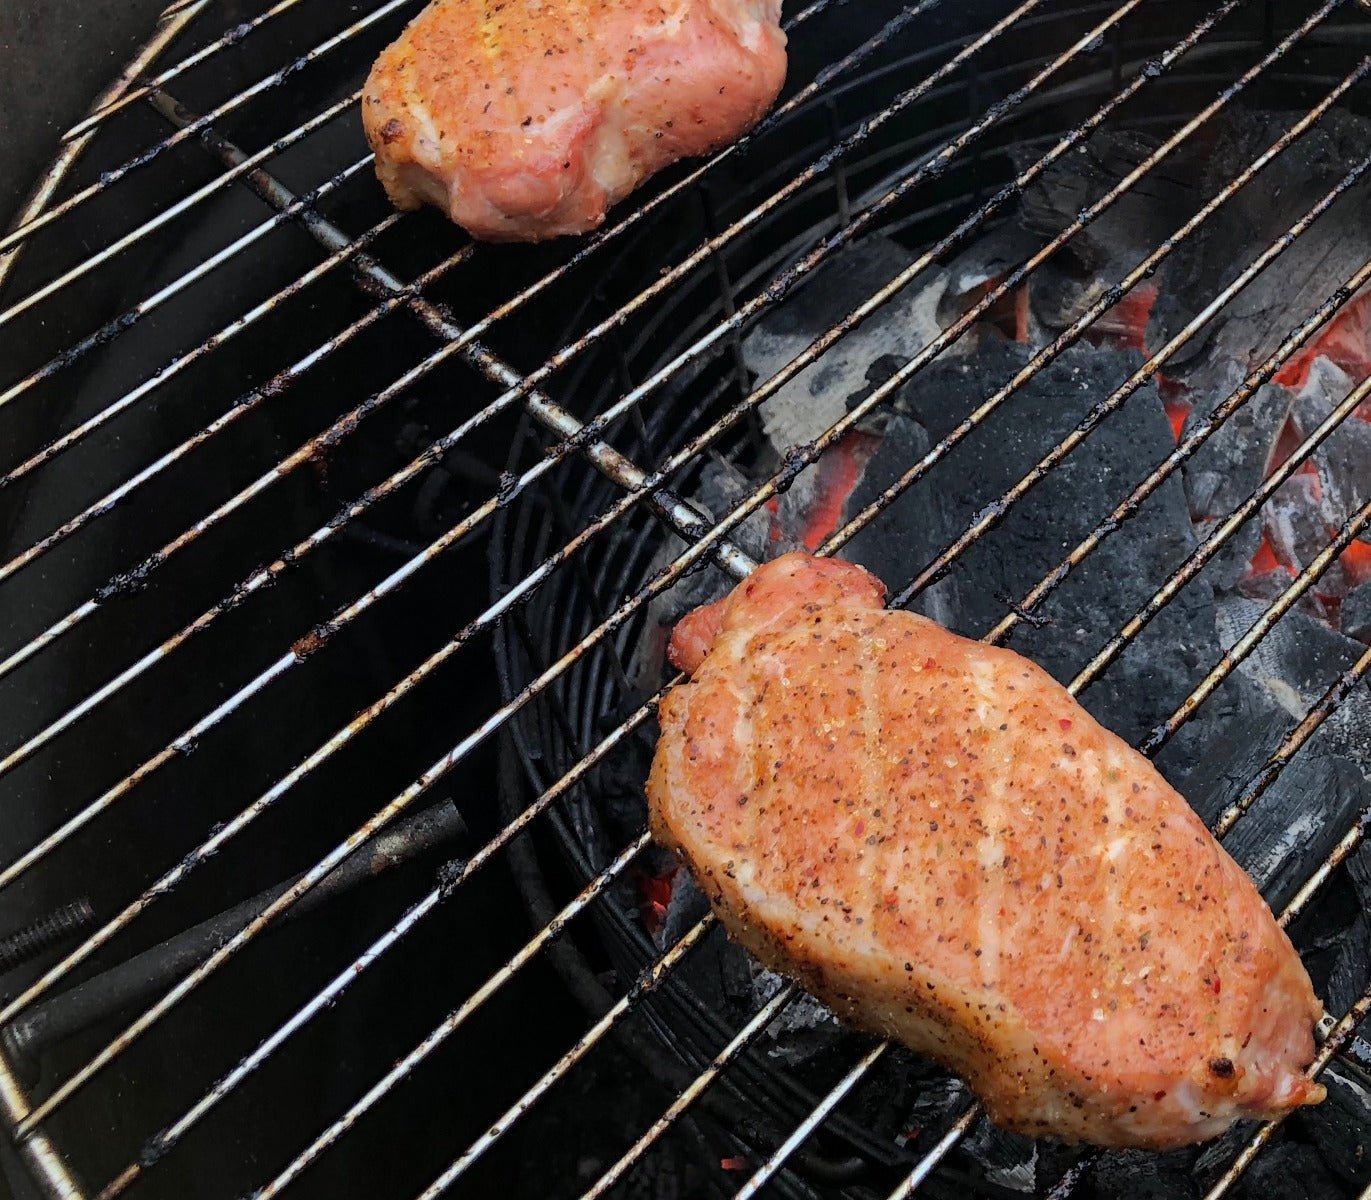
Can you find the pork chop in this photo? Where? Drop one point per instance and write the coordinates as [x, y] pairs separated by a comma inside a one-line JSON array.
[[527, 119], [936, 840]]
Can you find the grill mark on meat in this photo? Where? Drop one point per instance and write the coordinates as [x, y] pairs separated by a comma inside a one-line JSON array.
[[991, 851], [877, 862]]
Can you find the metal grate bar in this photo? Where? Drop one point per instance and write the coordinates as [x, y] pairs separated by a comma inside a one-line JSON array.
[[130, 317], [229, 38], [721, 1061], [995, 512], [1199, 433], [167, 109], [835, 1101], [258, 579], [454, 1020], [1341, 1034], [642, 713], [278, 298], [1214, 542], [1347, 533], [783, 284], [1263, 779], [169, 25], [37, 216], [926, 1166], [109, 178], [800, 457], [763, 1174], [645, 984], [827, 248], [166, 215], [166, 1139], [222, 711]]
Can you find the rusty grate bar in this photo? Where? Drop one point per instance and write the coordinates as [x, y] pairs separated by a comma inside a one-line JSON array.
[[170, 24], [109, 178], [130, 317], [998, 509], [1199, 433], [418, 464], [1264, 778], [201, 124], [38, 215], [168, 110], [168, 1137]]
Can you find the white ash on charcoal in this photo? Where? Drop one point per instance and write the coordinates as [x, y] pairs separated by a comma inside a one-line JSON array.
[[1344, 460], [1295, 662], [1356, 613], [1299, 818], [1339, 1129], [1296, 822], [1008, 1161], [1232, 463], [1256, 321], [1038, 531], [990, 1156], [819, 395], [1111, 245]]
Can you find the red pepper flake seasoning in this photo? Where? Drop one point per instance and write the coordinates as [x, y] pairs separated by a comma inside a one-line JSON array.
[[1216, 984], [930, 664], [1065, 723], [860, 828], [733, 1164]]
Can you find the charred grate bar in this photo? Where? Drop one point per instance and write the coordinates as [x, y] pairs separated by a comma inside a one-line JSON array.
[[706, 536]]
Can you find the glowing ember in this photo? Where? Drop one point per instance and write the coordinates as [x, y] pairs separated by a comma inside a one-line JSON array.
[[1345, 341], [840, 470], [1265, 559], [1356, 561], [1125, 325], [655, 894]]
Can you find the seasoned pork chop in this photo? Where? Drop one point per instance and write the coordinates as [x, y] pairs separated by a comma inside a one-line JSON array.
[[939, 843], [526, 119]]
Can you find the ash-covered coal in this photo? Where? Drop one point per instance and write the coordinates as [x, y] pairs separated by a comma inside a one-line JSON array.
[[1295, 663], [1117, 240], [1260, 317], [820, 394], [1237, 456], [1356, 613], [1038, 531]]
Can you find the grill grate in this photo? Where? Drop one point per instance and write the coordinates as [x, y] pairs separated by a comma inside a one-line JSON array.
[[486, 328]]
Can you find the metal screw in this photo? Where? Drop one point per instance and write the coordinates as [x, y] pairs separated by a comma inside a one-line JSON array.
[[30, 941]]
